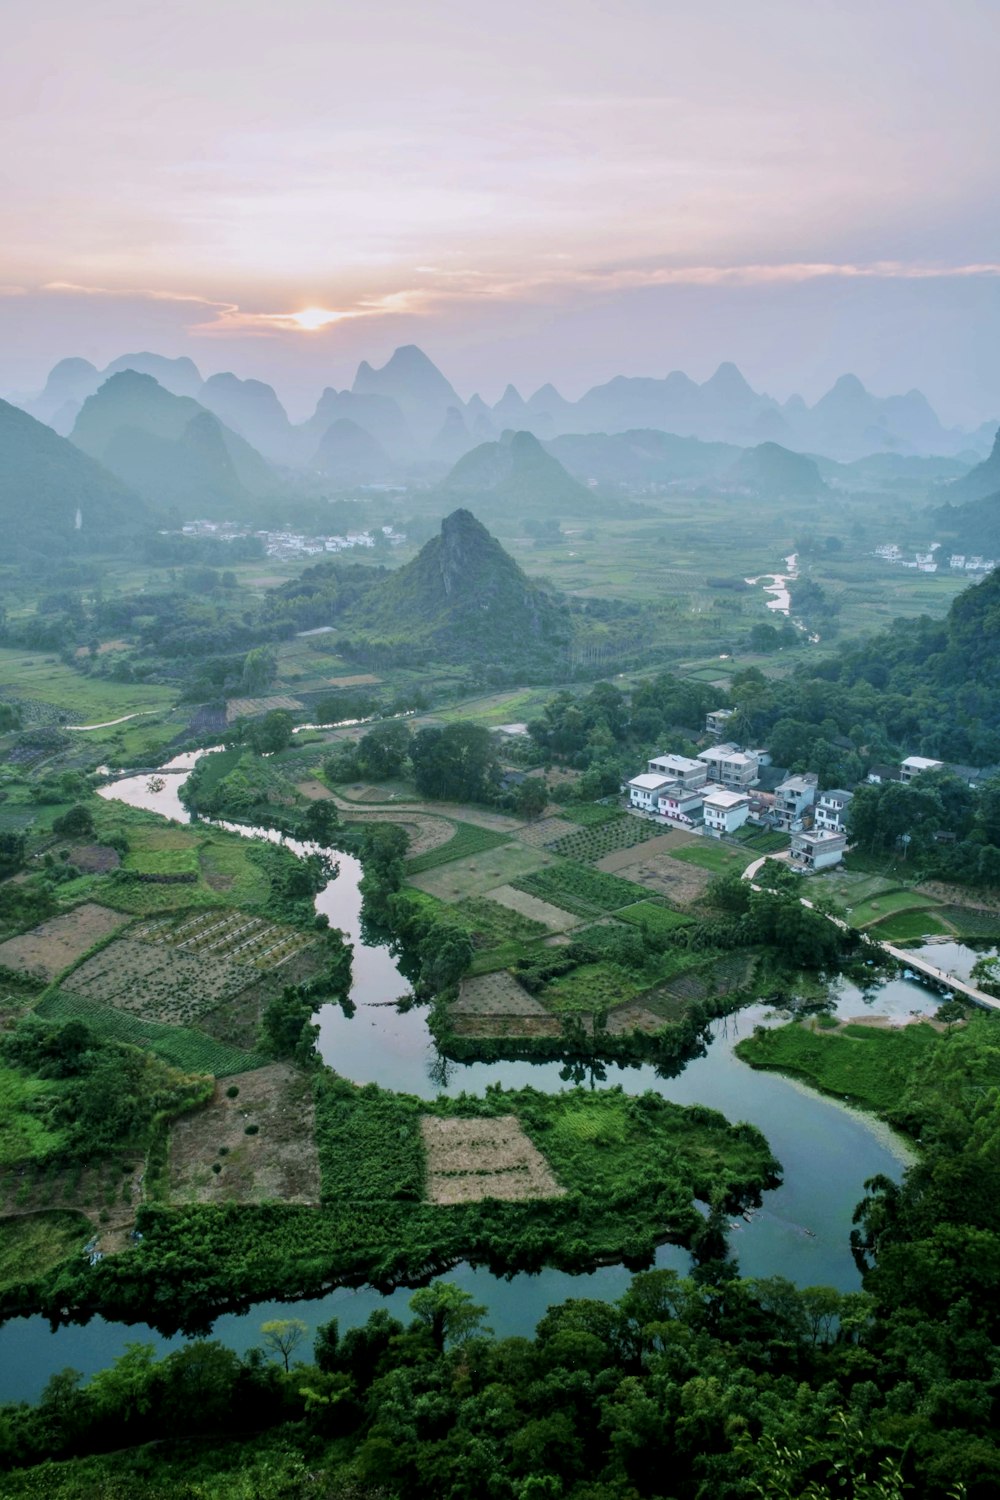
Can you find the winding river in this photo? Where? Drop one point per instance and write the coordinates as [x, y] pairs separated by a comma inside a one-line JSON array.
[[801, 1232]]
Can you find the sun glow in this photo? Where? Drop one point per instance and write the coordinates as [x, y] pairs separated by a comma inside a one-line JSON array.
[[311, 318]]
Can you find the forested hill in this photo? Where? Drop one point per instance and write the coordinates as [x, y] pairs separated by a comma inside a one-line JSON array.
[[57, 499], [461, 599], [465, 597]]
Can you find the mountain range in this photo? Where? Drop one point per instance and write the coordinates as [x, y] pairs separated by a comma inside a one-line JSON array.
[[415, 414], [170, 449], [55, 499]]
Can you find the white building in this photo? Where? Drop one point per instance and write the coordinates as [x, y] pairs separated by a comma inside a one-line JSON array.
[[683, 804], [731, 767], [915, 765], [817, 850], [689, 773], [725, 811], [644, 790], [830, 813]]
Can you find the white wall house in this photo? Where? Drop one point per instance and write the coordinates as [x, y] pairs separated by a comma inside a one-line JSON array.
[[644, 790], [792, 796], [915, 765], [818, 850], [725, 811], [716, 721], [731, 767], [686, 805], [680, 768], [830, 814]]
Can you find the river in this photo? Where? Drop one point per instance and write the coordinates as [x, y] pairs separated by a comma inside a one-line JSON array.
[[827, 1150]]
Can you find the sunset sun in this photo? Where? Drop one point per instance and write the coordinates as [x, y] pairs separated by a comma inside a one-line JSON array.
[[312, 318]]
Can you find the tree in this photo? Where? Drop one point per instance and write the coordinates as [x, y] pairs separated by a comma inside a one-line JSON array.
[[273, 732], [320, 821], [532, 797], [76, 822], [260, 668], [282, 1336], [448, 1314], [383, 750], [457, 762]]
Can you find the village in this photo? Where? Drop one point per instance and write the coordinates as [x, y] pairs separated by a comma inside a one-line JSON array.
[[727, 787]]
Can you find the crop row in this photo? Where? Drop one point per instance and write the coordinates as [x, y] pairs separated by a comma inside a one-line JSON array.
[[605, 838], [579, 889], [468, 840], [191, 1051]]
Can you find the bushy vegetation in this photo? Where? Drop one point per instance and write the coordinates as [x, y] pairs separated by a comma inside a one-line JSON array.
[[182, 1047]]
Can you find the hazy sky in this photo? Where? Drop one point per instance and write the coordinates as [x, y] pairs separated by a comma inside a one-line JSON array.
[[562, 190]]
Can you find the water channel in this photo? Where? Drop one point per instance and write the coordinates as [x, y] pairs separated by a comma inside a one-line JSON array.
[[801, 1232]]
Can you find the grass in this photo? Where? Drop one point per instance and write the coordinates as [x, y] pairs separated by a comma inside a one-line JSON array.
[[42, 679], [908, 926], [39, 1241], [885, 903], [481, 873], [591, 987], [169, 862], [467, 840], [652, 917], [713, 855], [183, 1047], [23, 1135], [590, 814], [864, 1064]]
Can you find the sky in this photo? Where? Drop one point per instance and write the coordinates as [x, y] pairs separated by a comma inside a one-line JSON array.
[[562, 191]]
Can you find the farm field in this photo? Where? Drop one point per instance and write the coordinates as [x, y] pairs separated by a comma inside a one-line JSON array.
[[480, 874], [713, 855], [190, 1050], [44, 680], [545, 831], [469, 1160], [580, 889], [554, 918], [651, 916], [276, 1162], [228, 934], [46, 950], [467, 840], [594, 842], [157, 982], [661, 843]]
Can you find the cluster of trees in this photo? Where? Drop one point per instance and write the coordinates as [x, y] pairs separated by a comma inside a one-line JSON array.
[[909, 818], [733, 1387], [101, 1096]]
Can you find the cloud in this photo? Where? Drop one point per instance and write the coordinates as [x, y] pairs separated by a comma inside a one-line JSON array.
[[440, 287]]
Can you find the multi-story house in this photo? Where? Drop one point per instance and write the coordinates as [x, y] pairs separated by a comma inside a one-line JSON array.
[[818, 849], [792, 796], [644, 790], [725, 811], [690, 773], [732, 767], [830, 813]]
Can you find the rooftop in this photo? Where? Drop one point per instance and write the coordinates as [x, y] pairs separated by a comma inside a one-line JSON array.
[[723, 798], [648, 782], [921, 763]]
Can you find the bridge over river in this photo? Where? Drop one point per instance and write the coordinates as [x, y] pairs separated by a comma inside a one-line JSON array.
[[912, 961]]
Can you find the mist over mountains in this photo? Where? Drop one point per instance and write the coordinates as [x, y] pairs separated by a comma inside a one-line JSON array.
[[415, 415]]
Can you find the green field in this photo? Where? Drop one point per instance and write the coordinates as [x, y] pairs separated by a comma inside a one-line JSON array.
[[581, 890], [865, 1064], [606, 837], [184, 1048], [41, 1241], [467, 840], [713, 855], [885, 903], [652, 917], [43, 679], [505, 864], [908, 927]]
